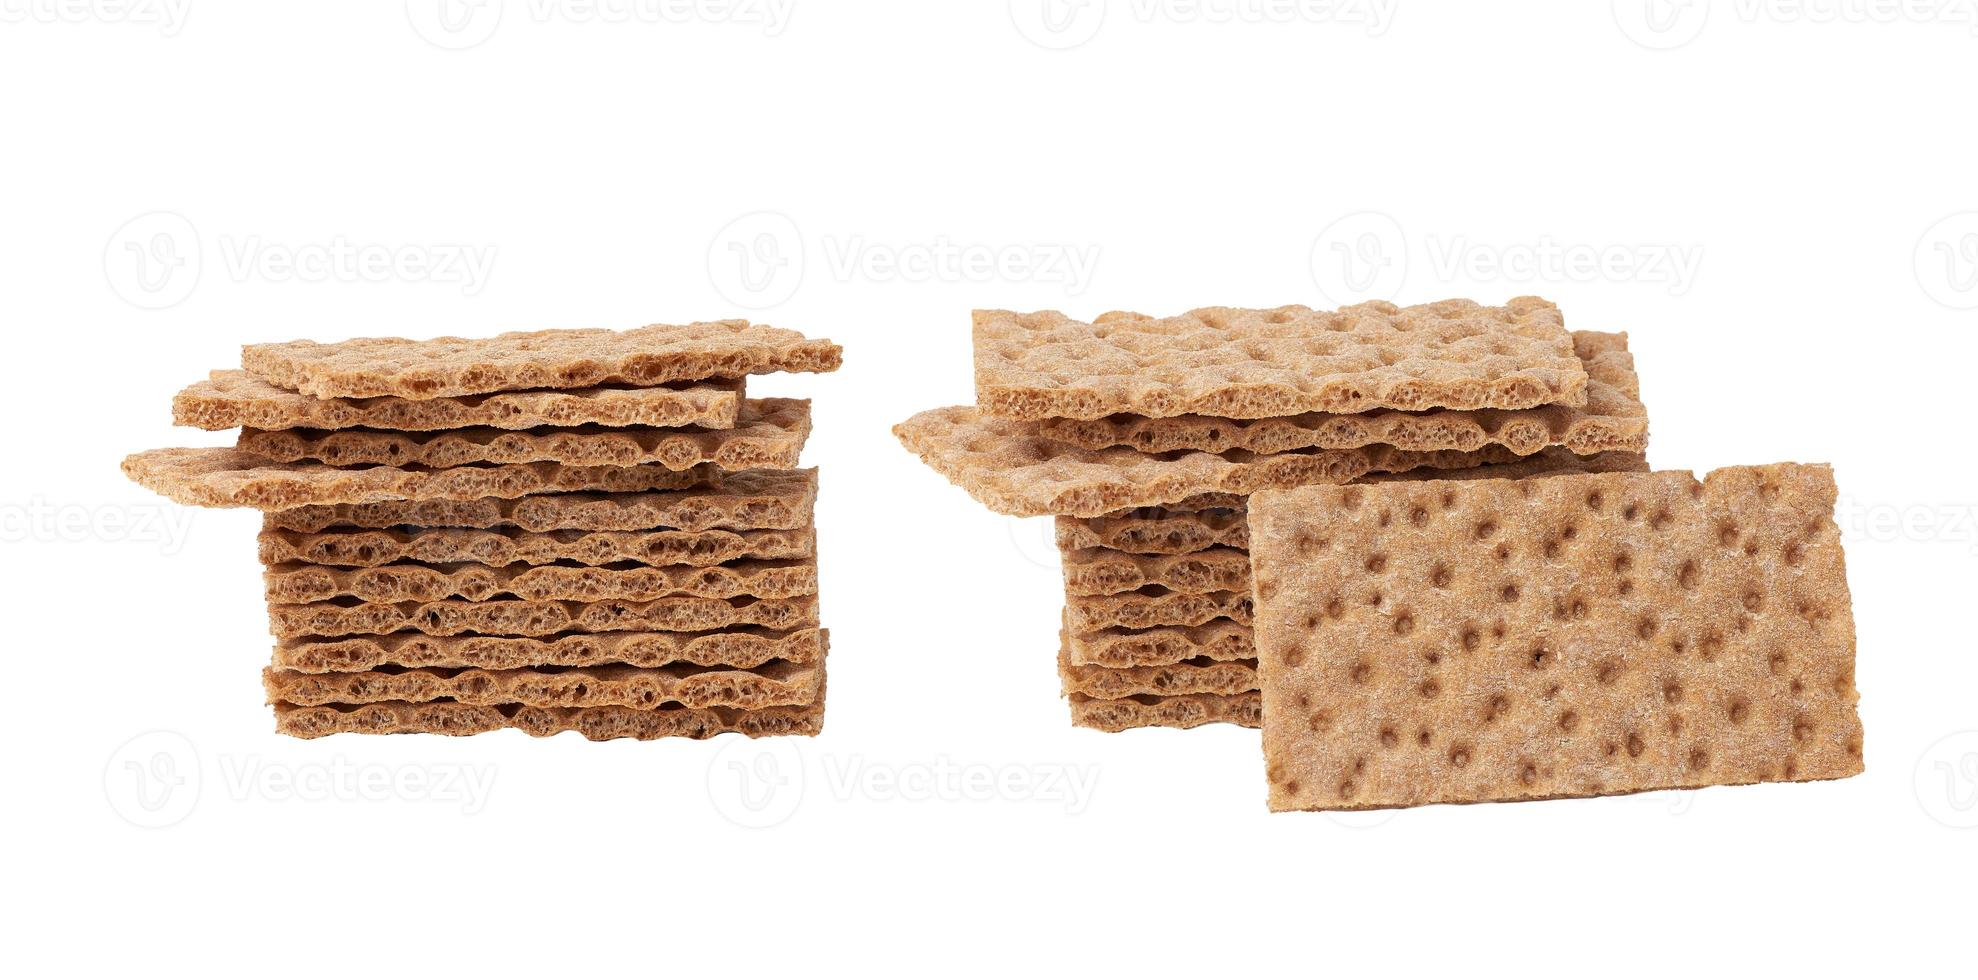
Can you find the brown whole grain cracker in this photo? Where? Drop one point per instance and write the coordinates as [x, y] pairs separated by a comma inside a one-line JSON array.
[[1012, 470], [751, 499], [517, 617], [770, 433], [597, 724], [1226, 677], [216, 477], [1612, 420], [1166, 711], [1156, 531], [235, 399], [745, 648], [362, 547], [298, 583], [1141, 610], [580, 687], [1238, 363], [453, 366], [1103, 571], [1162, 646], [1573, 636]]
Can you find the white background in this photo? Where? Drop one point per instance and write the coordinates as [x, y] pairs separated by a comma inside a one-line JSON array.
[[1776, 201]]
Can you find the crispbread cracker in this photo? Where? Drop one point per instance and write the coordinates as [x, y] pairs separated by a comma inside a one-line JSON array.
[[1012, 470], [1102, 571], [745, 648], [232, 478], [770, 433], [357, 547], [1612, 420], [1226, 677], [296, 583], [453, 366], [1238, 363], [596, 724], [1157, 711], [1161, 646], [752, 499], [582, 687], [516, 617], [1156, 531], [1574, 636], [235, 399], [1138, 610]]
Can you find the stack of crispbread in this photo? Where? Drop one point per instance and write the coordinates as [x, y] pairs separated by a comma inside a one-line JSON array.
[[581, 530], [1145, 436]]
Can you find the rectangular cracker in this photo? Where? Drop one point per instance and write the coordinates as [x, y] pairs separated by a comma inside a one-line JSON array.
[[517, 617], [741, 648], [291, 582], [1226, 677], [1012, 470], [1157, 531], [749, 500], [1173, 711], [446, 367], [596, 724], [1218, 640], [235, 399], [1239, 363], [364, 548], [1102, 571], [215, 477], [615, 685], [1142, 610], [1612, 420], [1573, 636], [769, 433]]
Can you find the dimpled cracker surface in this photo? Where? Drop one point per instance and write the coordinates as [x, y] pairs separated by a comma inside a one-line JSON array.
[[1012, 470], [1444, 642], [295, 583], [452, 366], [1237, 363], [751, 499], [1613, 419], [597, 724], [233, 478], [1141, 610], [1166, 711], [235, 399], [517, 617], [356, 547], [1100, 571], [744, 648], [769, 433], [583, 687], [1161, 646]]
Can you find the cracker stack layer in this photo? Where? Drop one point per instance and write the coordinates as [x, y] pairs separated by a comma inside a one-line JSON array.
[[584, 530]]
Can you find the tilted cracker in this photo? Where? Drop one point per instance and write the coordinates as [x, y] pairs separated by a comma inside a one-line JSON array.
[[1238, 363], [752, 499], [1227, 677], [1175, 711], [1573, 636], [1612, 420], [296, 583], [453, 366], [233, 478], [1103, 571], [1012, 470], [517, 617], [582, 687], [596, 724], [744, 648], [769, 433], [1160, 646], [1135, 610], [356, 547], [235, 399]]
